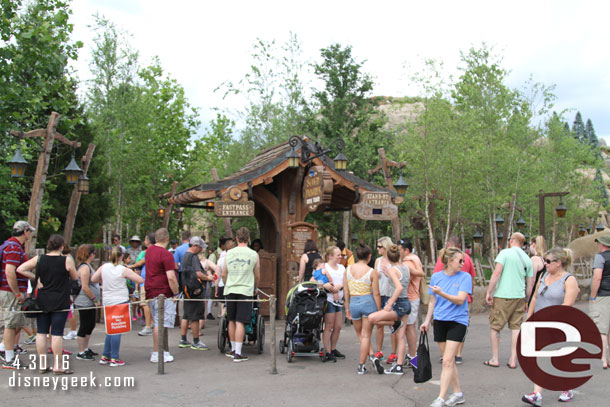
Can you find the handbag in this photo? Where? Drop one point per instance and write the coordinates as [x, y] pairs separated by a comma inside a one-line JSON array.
[[424, 295], [422, 370], [31, 303]]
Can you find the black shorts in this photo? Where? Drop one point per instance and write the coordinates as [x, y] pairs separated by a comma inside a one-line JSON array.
[[239, 311], [193, 310], [221, 291], [449, 331]]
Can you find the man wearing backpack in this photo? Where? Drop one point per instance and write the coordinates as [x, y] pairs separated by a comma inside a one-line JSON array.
[[193, 288], [506, 294], [13, 287]]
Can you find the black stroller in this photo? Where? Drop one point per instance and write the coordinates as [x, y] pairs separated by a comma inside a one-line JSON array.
[[305, 305]]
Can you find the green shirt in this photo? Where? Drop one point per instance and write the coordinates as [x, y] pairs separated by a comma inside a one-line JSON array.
[[141, 255], [512, 280], [240, 263]]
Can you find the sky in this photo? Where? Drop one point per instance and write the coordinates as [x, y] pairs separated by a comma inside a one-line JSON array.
[[205, 43]]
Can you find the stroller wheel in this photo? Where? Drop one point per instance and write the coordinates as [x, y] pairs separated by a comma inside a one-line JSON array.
[[290, 351], [222, 334], [260, 334], [282, 346]]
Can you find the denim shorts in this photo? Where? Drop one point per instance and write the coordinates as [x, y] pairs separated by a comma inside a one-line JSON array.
[[384, 300], [361, 306], [402, 307], [332, 308]]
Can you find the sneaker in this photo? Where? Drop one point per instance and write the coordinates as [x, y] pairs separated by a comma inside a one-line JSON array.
[[362, 369], [199, 346], [63, 351], [439, 402], [2, 356], [84, 356], [167, 358], [391, 359], [184, 344], [146, 331], [396, 326], [379, 355], [230, 354], [329, 357], [459, 360], [30, 340], [377, 365], [454, 400], [395, 369], [10, 365], [533, 399], [104, 360], [337, 354], [70, 336], [92, 353], [210, 317], [408, 360], [19, 350], [116, 362], [566, 395], [239, 358]]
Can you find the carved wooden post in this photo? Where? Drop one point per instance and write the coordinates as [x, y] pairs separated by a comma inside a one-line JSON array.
[[168, 210], [226, 221]]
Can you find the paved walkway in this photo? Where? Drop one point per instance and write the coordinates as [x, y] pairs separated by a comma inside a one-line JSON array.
[[209, 378]]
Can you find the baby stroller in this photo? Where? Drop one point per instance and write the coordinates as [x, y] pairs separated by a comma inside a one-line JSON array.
[[305, 305], [254, 331]]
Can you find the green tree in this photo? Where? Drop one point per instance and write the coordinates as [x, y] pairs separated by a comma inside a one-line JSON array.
[[578, 128]]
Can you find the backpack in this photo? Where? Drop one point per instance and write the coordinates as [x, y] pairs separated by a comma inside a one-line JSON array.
[[75, 285], [6, 244], [191, 285]]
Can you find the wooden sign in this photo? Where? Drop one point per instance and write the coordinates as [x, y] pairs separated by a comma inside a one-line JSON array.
[[234, 203], [317, 188], [375, 206], [299, 233]]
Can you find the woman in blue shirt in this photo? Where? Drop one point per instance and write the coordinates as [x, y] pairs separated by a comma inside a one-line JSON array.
[[448, 305]]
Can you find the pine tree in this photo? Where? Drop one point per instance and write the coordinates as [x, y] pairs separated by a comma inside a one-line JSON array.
[[578, 128], [590, 134]]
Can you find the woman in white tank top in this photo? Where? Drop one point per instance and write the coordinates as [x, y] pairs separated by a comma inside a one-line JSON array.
[[333, 316]]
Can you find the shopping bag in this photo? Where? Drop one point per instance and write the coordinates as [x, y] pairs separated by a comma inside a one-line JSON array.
[[117, 318], [422, 368]]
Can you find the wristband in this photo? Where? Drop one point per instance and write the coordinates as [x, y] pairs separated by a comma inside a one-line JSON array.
[[93, 299], [592, 298]]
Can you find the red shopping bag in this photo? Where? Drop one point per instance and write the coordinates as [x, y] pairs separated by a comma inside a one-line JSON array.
[[117, 318]]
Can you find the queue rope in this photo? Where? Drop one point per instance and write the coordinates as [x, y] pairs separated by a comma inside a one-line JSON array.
[[175, 299]]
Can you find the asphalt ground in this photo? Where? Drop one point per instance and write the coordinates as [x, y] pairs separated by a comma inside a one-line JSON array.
[[209, 378]]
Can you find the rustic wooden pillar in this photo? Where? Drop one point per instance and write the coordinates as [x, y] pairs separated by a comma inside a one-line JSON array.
[[226, 221], [168, 210]]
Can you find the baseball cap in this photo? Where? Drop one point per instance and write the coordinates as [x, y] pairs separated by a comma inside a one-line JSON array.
[[605, 240], [197, 241], [22, 226]]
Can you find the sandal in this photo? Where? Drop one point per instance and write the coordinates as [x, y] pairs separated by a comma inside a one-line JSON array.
[[488, 363], [47, 370], [510, 366], [62, 372]]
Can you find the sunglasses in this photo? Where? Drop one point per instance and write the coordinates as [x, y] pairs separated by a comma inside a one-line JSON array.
[[547, 261], [461, 261], [544, 290], [380, 247]]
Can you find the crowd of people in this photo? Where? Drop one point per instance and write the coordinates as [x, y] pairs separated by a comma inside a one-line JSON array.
[[374, 293]]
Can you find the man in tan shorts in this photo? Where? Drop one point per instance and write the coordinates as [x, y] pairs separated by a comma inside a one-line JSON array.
[[512, 279]]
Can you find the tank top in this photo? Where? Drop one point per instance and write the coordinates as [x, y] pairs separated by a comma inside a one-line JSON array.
[[311, 257], [55, 293], [240, 262], [404, 281], [81, 300], [384, 288], [115, 289], [361, 286], [337, 276], [552, 294]]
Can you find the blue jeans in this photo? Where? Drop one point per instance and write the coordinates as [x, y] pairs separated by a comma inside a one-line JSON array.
[[112, 345]]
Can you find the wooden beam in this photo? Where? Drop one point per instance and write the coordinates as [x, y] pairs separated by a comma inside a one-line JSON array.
[[226, 221], [75, 199], [41, 133], [40, 178], [168, 210]]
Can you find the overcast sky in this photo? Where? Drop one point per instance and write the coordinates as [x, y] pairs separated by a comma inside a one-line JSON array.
[[203, 43]]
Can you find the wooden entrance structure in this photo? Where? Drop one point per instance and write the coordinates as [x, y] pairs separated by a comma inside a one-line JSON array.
[[280, 208]]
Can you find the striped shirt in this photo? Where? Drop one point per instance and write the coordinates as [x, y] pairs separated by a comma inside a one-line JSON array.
[[13, 254]]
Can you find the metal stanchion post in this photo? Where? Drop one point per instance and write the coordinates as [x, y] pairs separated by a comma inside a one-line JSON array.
[[272, 313], [160, 334]]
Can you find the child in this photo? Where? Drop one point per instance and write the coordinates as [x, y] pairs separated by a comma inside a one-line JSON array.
[[323, 277]]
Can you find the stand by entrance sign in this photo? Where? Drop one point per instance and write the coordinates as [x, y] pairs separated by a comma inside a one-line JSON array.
[[317, 188], [375, 206], [234, 203], [299, 233]]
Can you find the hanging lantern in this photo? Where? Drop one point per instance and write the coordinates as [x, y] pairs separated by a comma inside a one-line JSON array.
[[499, 220], [561, 210], [83, 184], [520, 223], [478, 236], [161, 211], [17, 164], [581, 231], [340, 162], [600, 227], [294, 159], [590, 228], [73, 171], [500, 235], [401, 186]]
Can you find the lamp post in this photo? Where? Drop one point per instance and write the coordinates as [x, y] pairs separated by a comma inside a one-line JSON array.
[[561, 209]]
